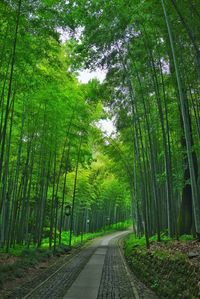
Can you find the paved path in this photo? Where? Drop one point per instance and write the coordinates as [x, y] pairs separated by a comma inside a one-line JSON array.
[[97, 271], [116, 281], [104, 276]]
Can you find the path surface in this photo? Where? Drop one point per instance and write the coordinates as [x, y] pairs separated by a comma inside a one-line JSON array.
[[104, 276], [98, 271]]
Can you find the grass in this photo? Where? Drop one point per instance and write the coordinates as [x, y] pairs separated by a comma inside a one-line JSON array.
[[186, 238], [19, 250], [134, 241], [79, 239]]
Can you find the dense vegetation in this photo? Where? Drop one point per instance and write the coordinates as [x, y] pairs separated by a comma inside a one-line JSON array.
[[150, 50], [51, 152]]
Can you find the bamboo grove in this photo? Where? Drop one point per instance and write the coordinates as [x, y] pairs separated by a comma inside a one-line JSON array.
[[51, 152], [49, 157], [150, 50]]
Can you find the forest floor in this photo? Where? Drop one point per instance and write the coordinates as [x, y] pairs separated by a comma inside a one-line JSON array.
[[171, 268]]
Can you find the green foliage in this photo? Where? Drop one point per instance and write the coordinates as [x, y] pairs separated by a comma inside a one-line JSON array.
[[141, 91], [45, 115], [52, 152], [83, 237], [186, 238]]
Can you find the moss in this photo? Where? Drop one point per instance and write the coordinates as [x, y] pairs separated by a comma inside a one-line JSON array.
[[169, 274]]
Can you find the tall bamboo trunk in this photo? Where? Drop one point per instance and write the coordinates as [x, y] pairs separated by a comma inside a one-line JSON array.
[[195, 195], [9, 88]]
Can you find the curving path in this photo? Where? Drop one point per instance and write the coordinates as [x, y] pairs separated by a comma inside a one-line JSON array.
[[98, 271], [103, 275], [106, 275]]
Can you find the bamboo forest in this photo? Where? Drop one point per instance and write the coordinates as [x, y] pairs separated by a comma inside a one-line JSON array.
[[100, 139]]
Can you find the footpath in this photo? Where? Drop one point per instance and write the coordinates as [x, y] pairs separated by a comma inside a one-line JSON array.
[[98, 271]]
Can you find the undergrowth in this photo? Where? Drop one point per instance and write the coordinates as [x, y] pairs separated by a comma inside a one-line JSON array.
[[164, 267]]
